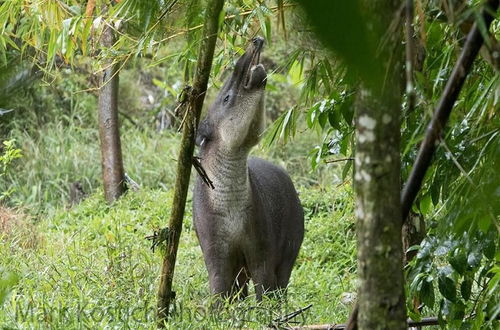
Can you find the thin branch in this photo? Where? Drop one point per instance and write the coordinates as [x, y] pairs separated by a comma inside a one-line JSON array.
[[131, 183], [89, 8], [129, 118], [329, 161], [202, 173], [284, 319], [169, 7], [352, 322], [455, 161]]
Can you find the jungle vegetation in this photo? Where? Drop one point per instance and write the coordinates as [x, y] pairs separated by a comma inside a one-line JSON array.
[[350, 83]]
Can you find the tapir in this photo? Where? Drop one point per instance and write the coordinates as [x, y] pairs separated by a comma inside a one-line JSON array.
[[250, 224]]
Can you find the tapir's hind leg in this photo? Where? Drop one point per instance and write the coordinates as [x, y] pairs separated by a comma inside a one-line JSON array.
[[264, 281], [283, 276]]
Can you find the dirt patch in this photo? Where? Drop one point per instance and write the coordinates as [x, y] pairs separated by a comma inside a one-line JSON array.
[[8, 219], [17, 229]]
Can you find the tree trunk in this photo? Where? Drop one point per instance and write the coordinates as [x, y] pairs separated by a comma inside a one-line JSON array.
[[184, 162], [377, 182], [109, 134]]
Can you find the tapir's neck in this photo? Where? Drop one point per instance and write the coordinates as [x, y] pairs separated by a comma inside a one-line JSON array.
[[228, 171]]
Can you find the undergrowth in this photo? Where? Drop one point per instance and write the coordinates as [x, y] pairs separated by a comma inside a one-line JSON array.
[[91, 266]]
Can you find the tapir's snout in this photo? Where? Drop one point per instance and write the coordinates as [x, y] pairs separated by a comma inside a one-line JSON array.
[[258, 43], [249, 72]]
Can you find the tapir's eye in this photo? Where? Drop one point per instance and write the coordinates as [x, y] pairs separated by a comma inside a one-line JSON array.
[[226, 99]]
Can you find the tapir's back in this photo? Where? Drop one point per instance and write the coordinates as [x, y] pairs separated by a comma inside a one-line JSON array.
[[279, 206]]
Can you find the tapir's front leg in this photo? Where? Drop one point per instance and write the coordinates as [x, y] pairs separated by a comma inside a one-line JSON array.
[[222, 272], [220, 280]]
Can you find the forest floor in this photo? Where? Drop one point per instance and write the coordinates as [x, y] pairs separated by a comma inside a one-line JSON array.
[[89, 265]]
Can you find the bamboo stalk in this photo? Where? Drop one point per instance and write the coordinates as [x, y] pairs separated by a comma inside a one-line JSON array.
[[195, 103]]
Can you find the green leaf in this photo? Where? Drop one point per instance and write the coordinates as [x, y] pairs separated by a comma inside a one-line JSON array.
[[427, 294], [435, 190], [295, 73], [7, 281], [447, 288], [474, 257], [268, 29], [484, 222], [322, 119], [466, 288], [345, 170], [262, 22], [344, 143], [334, 118], [311, 116], [222, 17], [458, 312], [425, 204], [347, 110], [315, 157], [458, 261], [490, 249]]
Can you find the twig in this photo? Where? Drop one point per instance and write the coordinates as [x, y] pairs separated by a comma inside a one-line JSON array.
[[131, 183], [169, 7], [455, 161], [182, 100], [242, 14], [201, 171], [352, 322], [159, 236], [129, 118], [290, 316], [339, 160]]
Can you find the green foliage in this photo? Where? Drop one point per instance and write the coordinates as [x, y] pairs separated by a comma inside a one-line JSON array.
[[338, 24], [60, 155], [456, 262], [10, 153], [92, 266], [7, 281], [455, 274]]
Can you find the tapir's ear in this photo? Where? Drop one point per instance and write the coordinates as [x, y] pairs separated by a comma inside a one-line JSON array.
[[204, 133]]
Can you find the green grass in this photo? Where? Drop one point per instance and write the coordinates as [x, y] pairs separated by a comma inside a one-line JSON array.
[[91, 266], [59, 155]]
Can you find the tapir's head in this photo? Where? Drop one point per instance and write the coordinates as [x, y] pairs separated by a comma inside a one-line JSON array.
[[236, 118]]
